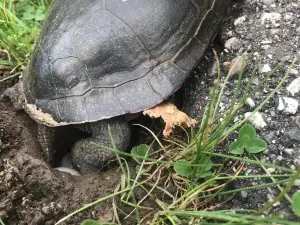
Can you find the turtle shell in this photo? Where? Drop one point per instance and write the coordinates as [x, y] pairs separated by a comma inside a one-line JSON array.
[[98, 59]]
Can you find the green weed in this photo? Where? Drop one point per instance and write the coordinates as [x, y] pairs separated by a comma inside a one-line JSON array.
[[20, 23], [93, 222], [141, 150], [247, 140], [296, 203], [196, 177]]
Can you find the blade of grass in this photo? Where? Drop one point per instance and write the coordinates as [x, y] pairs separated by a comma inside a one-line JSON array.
[[272, 177], [281, 194], [227, 216]]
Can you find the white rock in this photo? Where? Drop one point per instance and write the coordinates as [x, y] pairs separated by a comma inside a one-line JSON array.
[[250, 102], [68, 170], [266, 42], [268, 2], [297, 162], [265, 47], [292, 167], [232, 43], [236, 119], [275, 31], [297, 183], [289, 151], [256, 120], [230, 33], [288, 105], [271, 170], [288, 16], [244, 194], [239, 20], [272, 17], [265, 69], [294, 86], [294, 72]]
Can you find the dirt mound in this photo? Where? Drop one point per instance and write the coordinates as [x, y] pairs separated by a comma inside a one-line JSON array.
[[28, 200]]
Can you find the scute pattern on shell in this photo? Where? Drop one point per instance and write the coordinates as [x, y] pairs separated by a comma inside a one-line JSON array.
[[99, 59]]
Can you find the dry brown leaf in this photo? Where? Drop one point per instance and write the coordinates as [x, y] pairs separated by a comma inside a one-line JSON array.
[[172, 117]]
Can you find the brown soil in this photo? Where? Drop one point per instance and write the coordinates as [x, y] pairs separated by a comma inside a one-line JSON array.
[[24, 199]]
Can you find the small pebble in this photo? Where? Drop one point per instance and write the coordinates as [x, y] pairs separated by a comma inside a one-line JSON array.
[[253, 201], [297, 162], [294, 72], [272, 147], [292, 167], [244, 194], [275, 31], [294, 86], [288, 105], [289, 151], [293, 134], [250, 102], [271, 17], [265, 68], [297, 183], [265, 47], [288, 16], [239, 21], [266, 42], [271, 170], [269, 137], [256, 120], [268, 2], [232, 43]]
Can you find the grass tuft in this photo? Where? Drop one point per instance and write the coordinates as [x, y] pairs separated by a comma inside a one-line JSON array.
[[196, 191], [20, 23]]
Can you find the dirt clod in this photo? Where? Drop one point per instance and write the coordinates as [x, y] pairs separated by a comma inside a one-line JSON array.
[[31, 192]]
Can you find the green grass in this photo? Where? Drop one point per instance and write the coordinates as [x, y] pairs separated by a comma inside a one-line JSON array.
[[187, 164], [194, 200], [20, 23]]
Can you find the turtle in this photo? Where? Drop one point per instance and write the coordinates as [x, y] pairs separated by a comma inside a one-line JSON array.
[[96, 61]]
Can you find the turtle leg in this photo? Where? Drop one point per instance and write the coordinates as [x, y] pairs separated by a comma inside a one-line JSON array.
[[46, 139], [88, 158]]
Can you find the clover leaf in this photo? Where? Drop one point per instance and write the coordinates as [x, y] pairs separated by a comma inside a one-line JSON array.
[[141, 151], [248, 141]]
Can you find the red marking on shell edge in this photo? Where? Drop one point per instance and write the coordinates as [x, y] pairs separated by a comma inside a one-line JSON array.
[[228, 10], [176, 90], [214, 36], [196, 5]]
